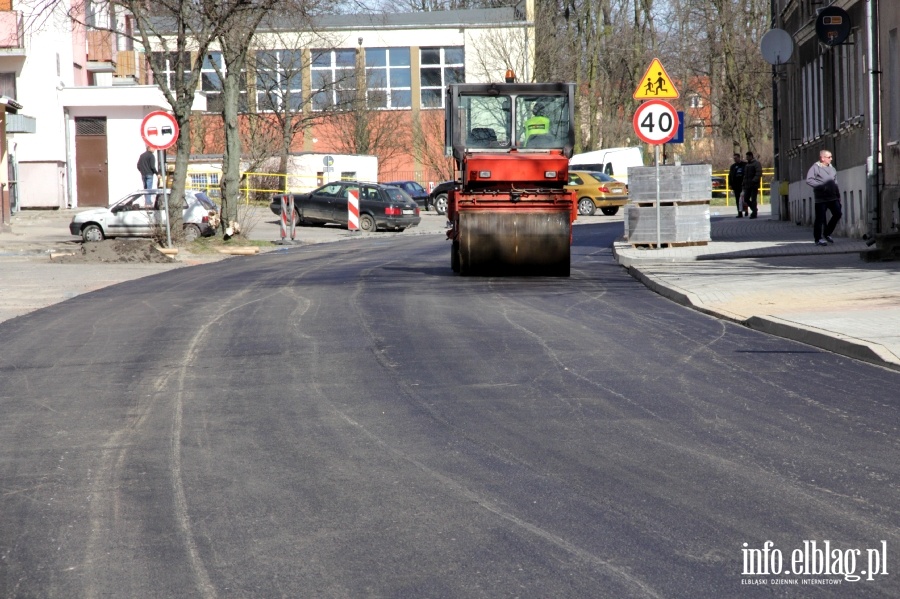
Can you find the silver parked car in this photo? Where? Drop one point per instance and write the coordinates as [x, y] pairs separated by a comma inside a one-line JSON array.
[[141, 214]]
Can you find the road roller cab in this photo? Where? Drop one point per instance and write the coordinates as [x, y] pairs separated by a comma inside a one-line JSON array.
[[511, 143]]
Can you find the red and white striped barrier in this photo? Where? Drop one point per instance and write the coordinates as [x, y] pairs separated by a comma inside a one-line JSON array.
[[353, 209], [287, 216]]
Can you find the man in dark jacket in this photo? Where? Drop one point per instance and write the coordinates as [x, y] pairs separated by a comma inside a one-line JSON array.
[[147, 166], [736, 182], [822, 177], [752, 179]]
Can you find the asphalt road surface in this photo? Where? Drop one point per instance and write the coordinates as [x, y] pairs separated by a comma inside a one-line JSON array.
[[353, 420]]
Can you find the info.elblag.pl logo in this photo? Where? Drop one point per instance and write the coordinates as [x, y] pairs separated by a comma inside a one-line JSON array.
[[816, 559]]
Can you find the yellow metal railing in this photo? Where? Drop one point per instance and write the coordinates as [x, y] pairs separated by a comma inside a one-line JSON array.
[[254, 186], [764, 188]]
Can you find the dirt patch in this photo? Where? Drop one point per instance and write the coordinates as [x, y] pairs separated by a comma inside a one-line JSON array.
[[115, 251]]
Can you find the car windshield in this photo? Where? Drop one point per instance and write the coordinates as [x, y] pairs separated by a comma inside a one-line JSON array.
[[397, 195], [542, 121], [602, 177]]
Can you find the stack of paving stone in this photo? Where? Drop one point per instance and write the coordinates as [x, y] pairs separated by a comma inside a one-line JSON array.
[[684, 195]]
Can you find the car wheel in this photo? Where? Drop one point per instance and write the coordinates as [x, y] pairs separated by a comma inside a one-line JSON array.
[[440, 203], [191, 232], [367, 223], [609, 210], [92, 232], [586, 207]]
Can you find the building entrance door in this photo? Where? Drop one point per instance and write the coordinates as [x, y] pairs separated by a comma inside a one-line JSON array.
[[91, 164]]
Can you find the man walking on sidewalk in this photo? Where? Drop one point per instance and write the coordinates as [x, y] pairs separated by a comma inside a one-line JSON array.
[[736, 182], [822, 177], [752, 179]]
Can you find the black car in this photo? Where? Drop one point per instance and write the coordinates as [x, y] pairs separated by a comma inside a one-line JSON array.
[[438, 196], [719, 189], [380, 206], [415, 191]]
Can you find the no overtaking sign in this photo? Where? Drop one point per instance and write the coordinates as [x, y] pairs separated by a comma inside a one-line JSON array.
[[159, 130]]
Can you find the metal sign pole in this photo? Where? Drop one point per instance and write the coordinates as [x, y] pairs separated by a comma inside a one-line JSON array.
[[161, 161], [658, 236]]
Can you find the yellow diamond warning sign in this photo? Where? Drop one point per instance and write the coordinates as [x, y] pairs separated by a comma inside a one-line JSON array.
[[655, 84]]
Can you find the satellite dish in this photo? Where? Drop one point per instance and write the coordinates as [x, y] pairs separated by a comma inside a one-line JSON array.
[[776, 46]]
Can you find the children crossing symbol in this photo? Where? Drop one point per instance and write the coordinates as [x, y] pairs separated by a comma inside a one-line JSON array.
[[655, 84]]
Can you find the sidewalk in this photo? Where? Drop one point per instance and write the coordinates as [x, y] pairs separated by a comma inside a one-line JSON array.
[[765, 274], [770, 276]]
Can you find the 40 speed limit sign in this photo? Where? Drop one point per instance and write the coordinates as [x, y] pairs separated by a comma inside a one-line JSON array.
[[656, 122]]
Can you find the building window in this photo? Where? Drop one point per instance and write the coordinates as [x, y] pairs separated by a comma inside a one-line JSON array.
[[697, 127], [90, 125], [695, 101], [279, 80], [204, 181], [165, 65], [388, 78], [210, 82], [849, 82], [861, 86], [440, 67], [333, 78], [892, 75], [813, 96], [8, 85]]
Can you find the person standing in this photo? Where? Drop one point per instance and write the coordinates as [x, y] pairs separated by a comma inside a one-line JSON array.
[[822, 177], [752, 179], [538, 124], [736, 182], [147, 166]]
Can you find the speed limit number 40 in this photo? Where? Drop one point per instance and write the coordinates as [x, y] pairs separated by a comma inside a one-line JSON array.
[[656, 122]]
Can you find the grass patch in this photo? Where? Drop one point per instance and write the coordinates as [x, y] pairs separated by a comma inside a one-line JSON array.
[[211, 245]]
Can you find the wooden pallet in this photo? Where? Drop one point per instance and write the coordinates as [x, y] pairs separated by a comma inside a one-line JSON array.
[[668, 244], [664, 203]]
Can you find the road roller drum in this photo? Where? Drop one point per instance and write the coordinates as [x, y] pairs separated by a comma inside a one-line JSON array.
[[514, 242]]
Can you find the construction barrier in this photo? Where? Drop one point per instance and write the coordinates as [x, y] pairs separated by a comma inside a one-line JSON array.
[[287, 217], [353, 209]]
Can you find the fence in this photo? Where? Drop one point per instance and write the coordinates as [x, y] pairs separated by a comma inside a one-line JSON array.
[[258, 187], [764, 188]]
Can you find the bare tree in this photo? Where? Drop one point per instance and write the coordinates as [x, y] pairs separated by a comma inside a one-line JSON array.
[[603, 47], [235, 44], [428, 145], [182, 31], [716, 45], [354, 120], [428, 5]]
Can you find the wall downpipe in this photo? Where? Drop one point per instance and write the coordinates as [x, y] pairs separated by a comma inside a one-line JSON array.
[[874, 199]]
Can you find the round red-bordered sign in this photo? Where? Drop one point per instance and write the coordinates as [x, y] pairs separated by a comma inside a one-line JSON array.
[[655, 122], [159, 130]]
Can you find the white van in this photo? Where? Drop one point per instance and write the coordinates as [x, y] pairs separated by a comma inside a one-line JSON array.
[[612, 161]]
